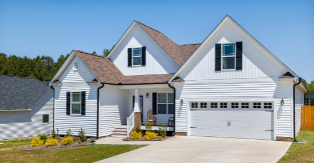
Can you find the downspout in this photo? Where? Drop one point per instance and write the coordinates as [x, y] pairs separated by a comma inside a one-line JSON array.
[[53, 107], [300, 79], [174, 112], [98, 109]]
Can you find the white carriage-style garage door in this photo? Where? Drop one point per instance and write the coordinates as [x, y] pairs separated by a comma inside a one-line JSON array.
[[251, 120]]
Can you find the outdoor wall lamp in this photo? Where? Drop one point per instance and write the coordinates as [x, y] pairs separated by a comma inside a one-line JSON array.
[[147, 94], [181, 102], [282, 102]]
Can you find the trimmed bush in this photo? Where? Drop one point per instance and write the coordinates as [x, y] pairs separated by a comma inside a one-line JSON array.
[[53, 134], [69, 133], [136, 135], [81, 134], [43, 137], [67, 140], [149, 135], [90, 141], [79, 142], [36, 142], [51, 142]]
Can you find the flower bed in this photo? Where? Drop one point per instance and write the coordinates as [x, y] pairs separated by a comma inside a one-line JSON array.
[[58, 145], [143, 139]]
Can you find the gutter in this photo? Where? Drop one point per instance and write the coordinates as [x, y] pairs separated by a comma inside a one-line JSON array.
[[300, 79], [53, 107], [98, 109], [174, 112]]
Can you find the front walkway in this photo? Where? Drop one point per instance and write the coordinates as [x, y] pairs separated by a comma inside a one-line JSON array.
[[200, 149]]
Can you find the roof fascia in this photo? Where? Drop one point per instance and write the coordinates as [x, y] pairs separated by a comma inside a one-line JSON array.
[[227, 17], [14, 110]]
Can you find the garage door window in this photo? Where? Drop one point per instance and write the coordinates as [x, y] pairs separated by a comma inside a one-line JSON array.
[[194, 105], [203, 105], [214, 105], [268, 105], [223, 105], [244, 105], [257, 105], [234, 105], [165, 103]]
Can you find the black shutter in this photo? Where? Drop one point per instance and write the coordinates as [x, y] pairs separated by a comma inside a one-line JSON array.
[[129, 56], [133, 103], [154, 103], [238, 55], [218, 57], [143, 55], [83, 102], [68, 102]]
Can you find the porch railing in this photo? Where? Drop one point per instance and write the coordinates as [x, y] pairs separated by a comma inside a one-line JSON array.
[[130, 123]]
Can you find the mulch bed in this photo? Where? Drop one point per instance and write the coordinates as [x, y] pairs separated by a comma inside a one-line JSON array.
[[59, 145], [143, 139]]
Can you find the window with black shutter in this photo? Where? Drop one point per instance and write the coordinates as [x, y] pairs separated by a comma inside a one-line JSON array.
[[137, 56], [228, 56]]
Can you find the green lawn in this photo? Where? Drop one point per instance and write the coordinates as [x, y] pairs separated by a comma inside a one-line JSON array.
[[11, 152], [301, 152]]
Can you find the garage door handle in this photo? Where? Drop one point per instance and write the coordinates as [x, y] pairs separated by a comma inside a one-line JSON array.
[[269, 130], [193, 127]]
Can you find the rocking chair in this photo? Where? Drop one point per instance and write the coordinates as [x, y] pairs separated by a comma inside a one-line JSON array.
[[150, 118]]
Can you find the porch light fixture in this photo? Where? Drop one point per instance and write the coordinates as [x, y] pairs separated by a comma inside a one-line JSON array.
[[282, 102], [147, 95], [181, 103]]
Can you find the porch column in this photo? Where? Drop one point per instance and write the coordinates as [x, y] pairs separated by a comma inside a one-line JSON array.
[[137, 111]]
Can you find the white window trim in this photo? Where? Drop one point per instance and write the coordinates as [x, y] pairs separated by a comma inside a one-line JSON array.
[[235, 55], [76, 103], [78, 65], [43, 119], [137, 56], [164, 103]]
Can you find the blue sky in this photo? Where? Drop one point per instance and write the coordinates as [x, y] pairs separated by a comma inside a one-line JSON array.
[[53, 28]]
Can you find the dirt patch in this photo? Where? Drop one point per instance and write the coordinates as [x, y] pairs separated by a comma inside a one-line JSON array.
[[143, 139], [59, 145]]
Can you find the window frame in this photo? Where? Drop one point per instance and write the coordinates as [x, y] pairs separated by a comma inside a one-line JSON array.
[[167, 104], [260, 106], [43, 119], [71, 97], [78, 65], [234, 56], [137, 56]]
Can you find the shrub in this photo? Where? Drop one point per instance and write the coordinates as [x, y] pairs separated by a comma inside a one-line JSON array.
[[136, 135], [69, 133], [90, 141], [140, 138], [162, 131], [53, 134], [137, 128], [36, 142], [51, 142], [43, 137], [149, 127], [79, 142], [81, 134], [149, 135], [67, 140]]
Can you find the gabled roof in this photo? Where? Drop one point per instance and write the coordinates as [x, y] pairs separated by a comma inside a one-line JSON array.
[[21, 93], [287, 75]]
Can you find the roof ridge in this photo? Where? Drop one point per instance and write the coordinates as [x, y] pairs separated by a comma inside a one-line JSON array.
[[96, 55], [190, 44], [149, 27]]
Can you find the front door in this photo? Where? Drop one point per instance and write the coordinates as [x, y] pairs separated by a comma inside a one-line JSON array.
[[141, 106]]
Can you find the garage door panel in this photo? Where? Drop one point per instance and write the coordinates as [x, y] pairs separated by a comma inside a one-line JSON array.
[[218, 115], [199, 131], [218, 132], [261, 134], [240, 133], [245, 123]]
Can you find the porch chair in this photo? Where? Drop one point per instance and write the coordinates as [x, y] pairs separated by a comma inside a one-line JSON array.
[[150, 118], [171, 121]]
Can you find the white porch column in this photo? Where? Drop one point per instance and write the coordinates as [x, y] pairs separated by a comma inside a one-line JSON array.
[[136, 101]]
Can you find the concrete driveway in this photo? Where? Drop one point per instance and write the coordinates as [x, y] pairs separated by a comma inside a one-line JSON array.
[[201, 149]]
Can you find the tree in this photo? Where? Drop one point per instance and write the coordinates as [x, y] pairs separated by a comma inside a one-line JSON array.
[[94, 52], [310, 86], [106, 52]]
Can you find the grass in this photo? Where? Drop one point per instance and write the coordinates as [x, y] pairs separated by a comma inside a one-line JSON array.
[[10, 151], [301, 152]]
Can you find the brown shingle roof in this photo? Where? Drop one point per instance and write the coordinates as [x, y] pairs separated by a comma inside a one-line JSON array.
[[106, 71], [177, 79], [56, 82], [187, 50], [287, 75]]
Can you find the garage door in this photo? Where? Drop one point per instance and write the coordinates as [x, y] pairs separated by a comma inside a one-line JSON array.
[[252, 120]]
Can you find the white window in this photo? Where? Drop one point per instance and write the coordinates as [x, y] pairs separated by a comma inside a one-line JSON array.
[[203, 105], [228, 56], [234, 105], [244, 105], [268, 105], [214, 105], [137, 56], [194, 105], [76, 65], [223, 105], [165, 103], [45, 118], [257, 105], [75, 102]]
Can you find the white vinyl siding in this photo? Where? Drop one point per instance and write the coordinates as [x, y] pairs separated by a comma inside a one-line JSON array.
[[157, 61], [18, 124], [299, 100]]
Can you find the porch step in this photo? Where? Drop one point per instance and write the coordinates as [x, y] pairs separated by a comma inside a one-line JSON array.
[[120, 131]]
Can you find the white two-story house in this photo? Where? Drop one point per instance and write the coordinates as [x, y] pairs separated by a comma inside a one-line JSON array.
[[229, 85]]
